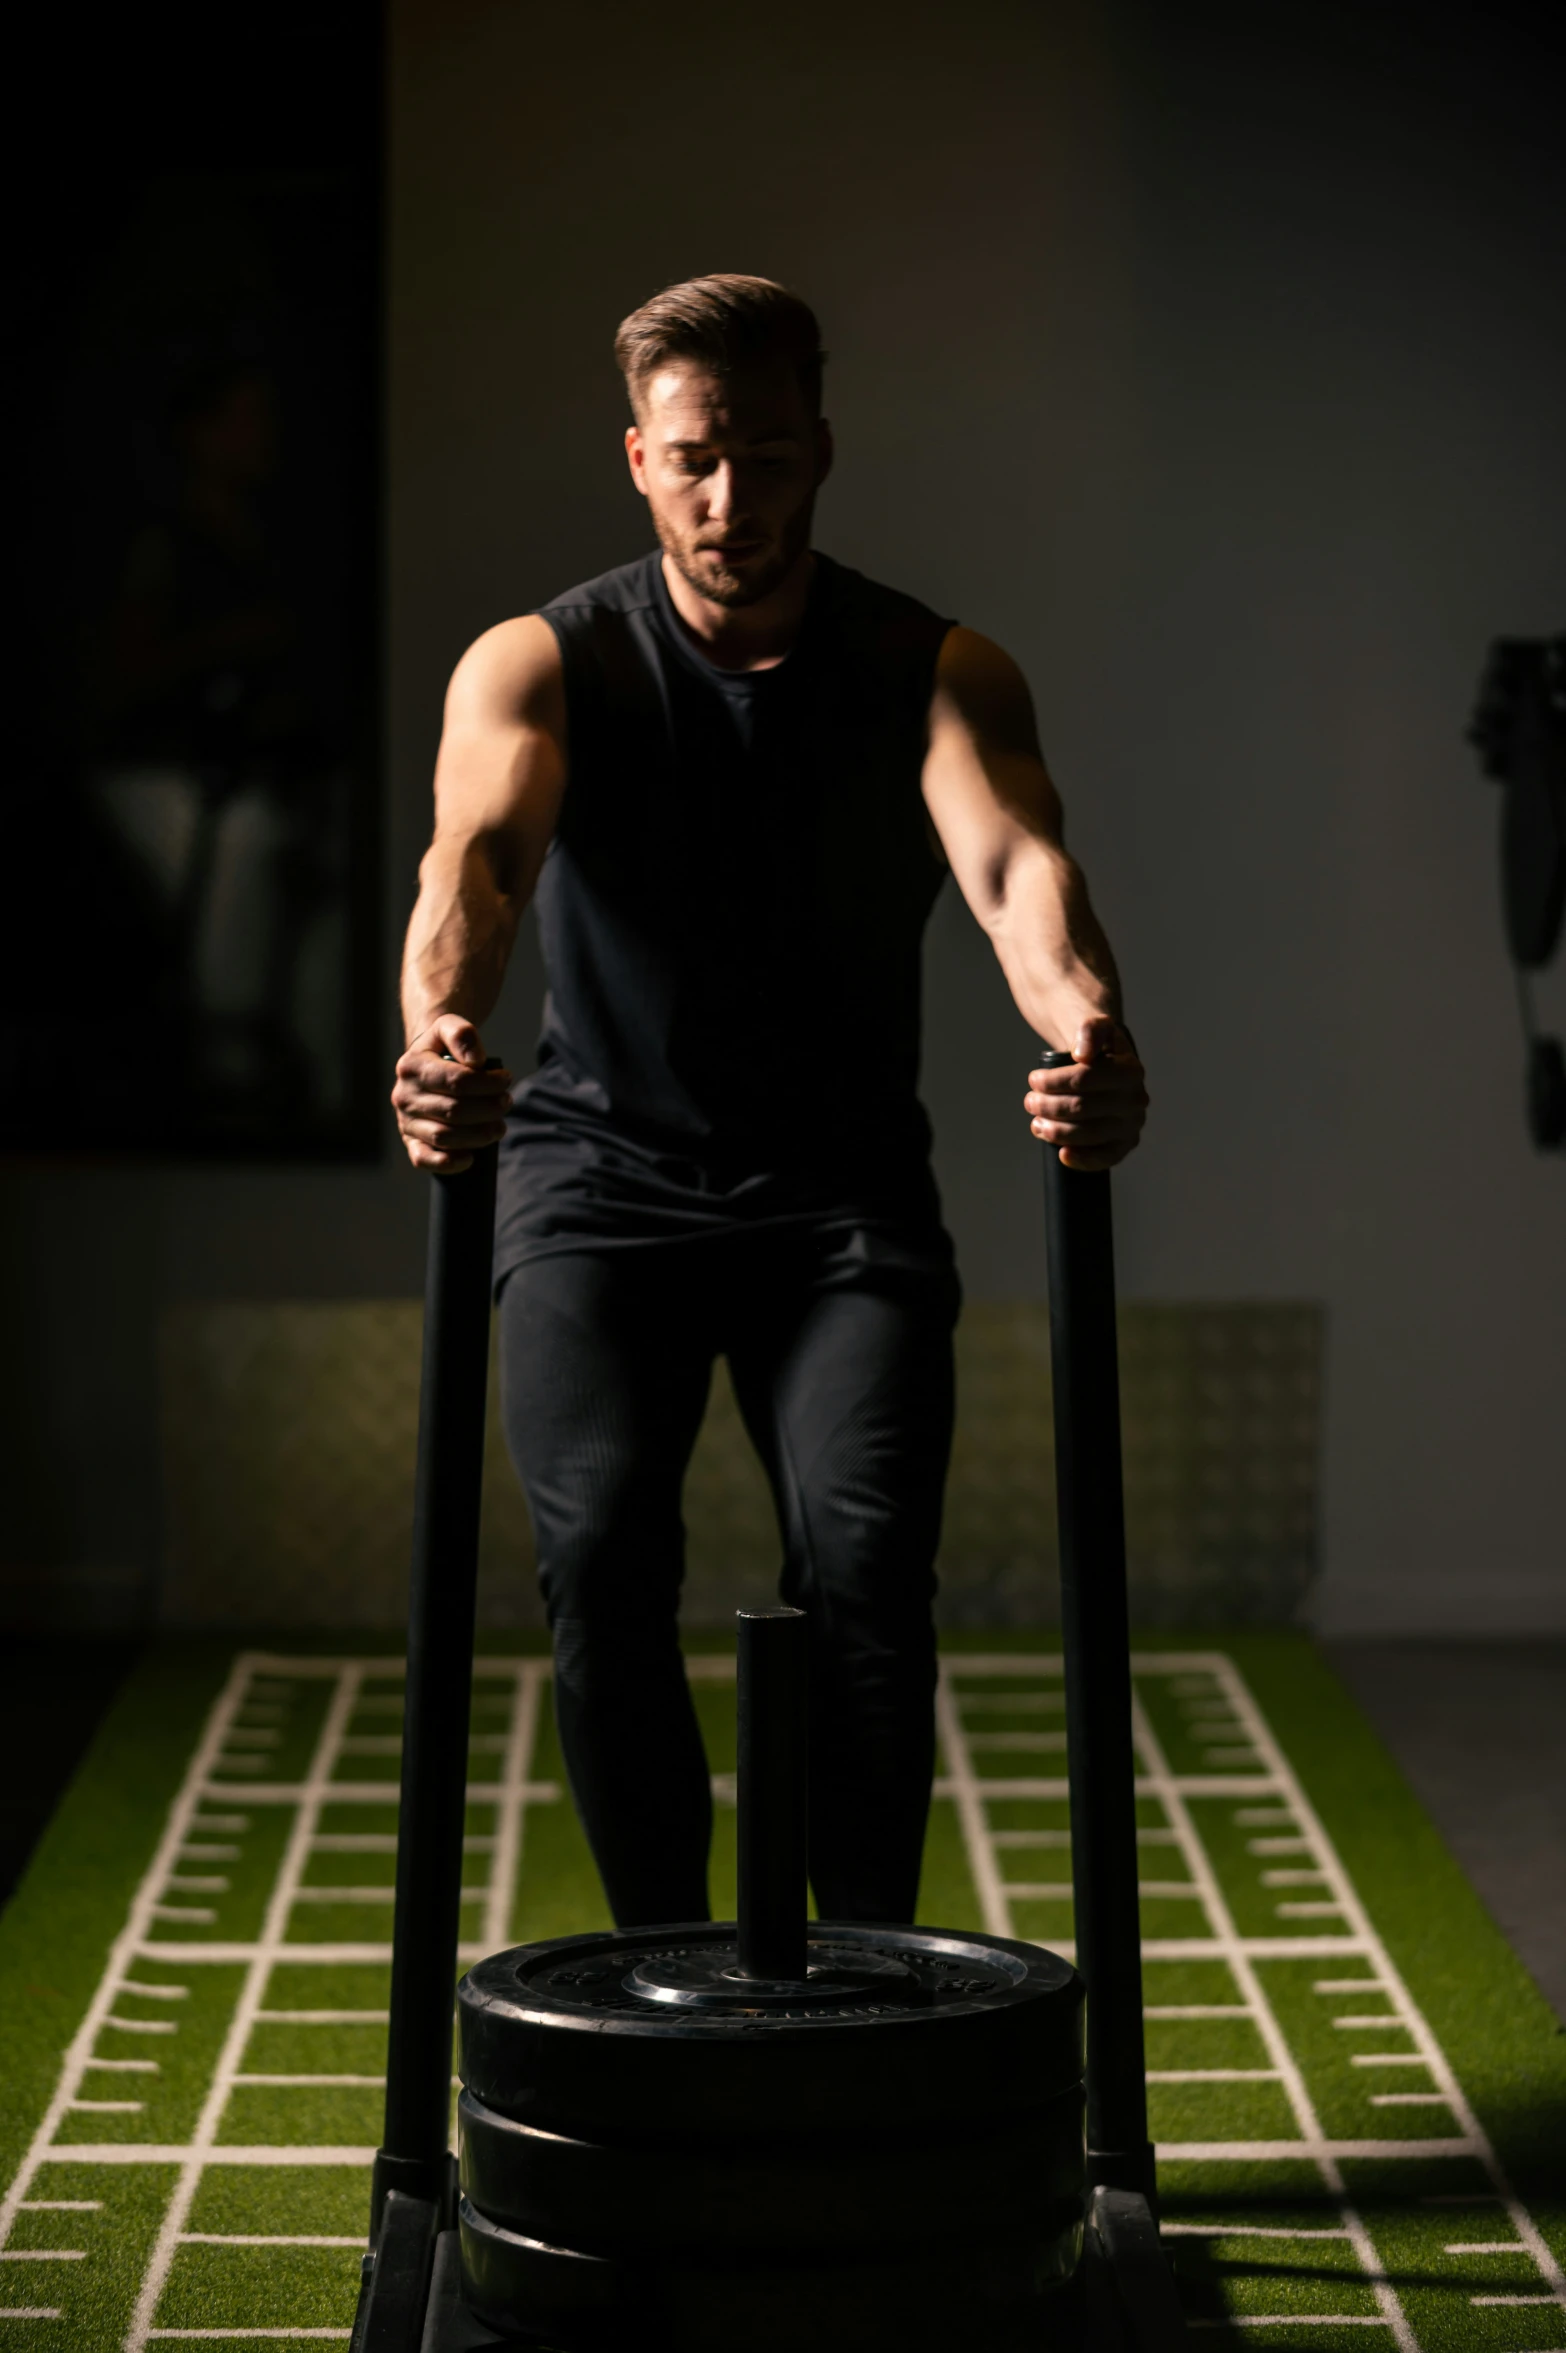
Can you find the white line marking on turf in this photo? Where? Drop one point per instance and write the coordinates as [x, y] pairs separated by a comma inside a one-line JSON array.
[[368, 1895], [306, 1949], [323, 2017], [1392, 1982], [295, 1855], [190, 1815], [1213, 2075], [1044, 1786], [1485, 2247], [296, 2082], [384, 1793], [1241, 2230], [511, 1809], [994, 1909], [224, 2153], [1163, 2010], [1356, 1938], [265, 2238], [61, 2206], [31, 2312], [381, 1842], [1243, 1968], [43, 2254], [197, 1793], [1318, 2152], [1315, 2151]]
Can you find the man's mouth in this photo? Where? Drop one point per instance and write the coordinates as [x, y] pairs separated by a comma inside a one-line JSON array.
[[733, 550]]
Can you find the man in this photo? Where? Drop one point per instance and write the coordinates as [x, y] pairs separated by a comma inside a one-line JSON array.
[[736, 774]]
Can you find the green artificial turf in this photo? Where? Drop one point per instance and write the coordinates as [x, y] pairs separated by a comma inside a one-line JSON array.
[[1261, 2232]]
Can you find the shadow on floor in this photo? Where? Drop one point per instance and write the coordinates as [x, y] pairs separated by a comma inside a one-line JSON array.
[[54, 1690]]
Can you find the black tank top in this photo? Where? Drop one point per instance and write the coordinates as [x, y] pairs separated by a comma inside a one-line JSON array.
[[731, 914]]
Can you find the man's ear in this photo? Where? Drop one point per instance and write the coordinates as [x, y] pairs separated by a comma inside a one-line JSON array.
[[826, 450], [636, 457]]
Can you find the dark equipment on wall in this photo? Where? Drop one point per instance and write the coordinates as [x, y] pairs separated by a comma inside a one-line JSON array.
[[706, 2138], [1519, 729]]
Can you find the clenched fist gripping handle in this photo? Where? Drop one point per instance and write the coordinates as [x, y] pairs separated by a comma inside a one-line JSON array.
[[1096, 1633]]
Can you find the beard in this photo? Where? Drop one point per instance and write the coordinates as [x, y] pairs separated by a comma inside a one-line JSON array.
[[717, 584]]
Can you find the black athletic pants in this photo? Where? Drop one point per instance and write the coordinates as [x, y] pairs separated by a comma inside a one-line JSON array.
[[842, 1369]]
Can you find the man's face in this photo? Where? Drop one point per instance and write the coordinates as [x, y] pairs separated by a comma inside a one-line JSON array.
[[730, 466]]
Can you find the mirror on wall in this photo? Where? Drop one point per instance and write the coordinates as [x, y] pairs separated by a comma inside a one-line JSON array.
[[195, 795]]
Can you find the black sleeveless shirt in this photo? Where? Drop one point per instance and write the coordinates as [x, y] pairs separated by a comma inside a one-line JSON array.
[[731, 914]]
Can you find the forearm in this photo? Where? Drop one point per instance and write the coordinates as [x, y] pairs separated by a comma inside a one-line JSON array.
[[1050, 944], [460, 936]]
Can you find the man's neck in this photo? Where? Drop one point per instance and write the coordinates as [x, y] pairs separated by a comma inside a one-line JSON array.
[[744, 637]]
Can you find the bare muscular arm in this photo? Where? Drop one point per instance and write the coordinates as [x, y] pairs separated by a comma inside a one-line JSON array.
[[498, 782], [999, 818]]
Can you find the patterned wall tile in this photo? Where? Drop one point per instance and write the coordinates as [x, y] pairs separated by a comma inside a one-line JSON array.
[[288, 1437]]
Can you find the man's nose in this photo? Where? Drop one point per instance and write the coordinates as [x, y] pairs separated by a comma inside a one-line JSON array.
[[721, 492]]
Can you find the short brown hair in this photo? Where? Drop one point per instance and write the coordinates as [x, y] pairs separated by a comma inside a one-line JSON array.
[[728, 322]]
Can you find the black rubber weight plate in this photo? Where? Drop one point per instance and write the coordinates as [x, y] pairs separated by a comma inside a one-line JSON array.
[[995, 2296], [934, 2030], [832, 2191]]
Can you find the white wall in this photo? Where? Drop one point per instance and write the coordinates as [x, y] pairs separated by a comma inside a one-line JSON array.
[[1209, 357], [1217, 368]]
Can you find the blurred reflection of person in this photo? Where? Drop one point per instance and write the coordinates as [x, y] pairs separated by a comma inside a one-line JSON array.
[[211, 766]]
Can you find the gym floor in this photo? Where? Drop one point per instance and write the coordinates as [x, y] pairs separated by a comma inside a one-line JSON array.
[[1306, 2186], [53, 1692], [1479, 1730]]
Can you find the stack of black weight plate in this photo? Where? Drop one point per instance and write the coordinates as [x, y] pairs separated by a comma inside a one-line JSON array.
[[657, 2151]]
